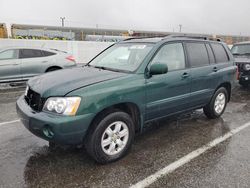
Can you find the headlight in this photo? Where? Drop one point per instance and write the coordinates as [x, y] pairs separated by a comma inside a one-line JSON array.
[[247, 67], [26, 91], [62, 105]]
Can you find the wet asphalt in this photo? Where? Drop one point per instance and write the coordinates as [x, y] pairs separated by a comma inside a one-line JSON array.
[[27, 161]]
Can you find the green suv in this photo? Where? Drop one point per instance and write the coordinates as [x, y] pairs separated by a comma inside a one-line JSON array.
[[103, 104]]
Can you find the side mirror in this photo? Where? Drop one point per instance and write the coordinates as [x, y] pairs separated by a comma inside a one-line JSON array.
[[158, 68]]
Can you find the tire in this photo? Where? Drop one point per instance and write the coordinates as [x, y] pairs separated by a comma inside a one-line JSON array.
[[210, 109], [103, 144], [52, 69]]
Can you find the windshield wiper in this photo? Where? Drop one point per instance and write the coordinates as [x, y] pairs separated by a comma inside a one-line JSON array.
[[111, 69], [100, 67]]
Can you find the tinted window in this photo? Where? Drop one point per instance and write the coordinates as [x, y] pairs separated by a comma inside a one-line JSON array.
[[172, 55], [8, 54], [46, 53], [220, 53], [197, 54], [210, 53], [30, 53]]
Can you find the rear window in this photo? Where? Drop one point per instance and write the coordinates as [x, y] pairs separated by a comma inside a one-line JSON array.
[[46, 53], [197, 54], [30, 53], [220, 53]]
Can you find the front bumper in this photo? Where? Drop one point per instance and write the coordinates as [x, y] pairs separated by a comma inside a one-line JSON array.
[[62, 129]]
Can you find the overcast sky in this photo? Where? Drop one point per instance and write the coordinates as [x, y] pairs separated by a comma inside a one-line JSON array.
[[197, 16]]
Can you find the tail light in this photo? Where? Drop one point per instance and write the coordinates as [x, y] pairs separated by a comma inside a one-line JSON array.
[[71, 58]]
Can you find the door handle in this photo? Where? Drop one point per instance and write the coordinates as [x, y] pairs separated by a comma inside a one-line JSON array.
[[44, 61], [185, 75], [215, 69], [15, 64]]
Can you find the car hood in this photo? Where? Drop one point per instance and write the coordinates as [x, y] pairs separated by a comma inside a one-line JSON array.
[[60, 83], [244, 59]]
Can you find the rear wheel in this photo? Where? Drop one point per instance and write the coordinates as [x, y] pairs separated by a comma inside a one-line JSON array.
[[111, 137], [217, 105]]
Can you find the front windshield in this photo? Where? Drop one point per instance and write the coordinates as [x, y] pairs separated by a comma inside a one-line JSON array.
[[124, 56], [243, 49]]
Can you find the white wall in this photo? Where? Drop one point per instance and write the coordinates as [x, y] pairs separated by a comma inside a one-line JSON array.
[[83, 51]]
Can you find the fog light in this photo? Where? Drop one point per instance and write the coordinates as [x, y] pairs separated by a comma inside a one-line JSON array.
[[246, 78], [48, 132]]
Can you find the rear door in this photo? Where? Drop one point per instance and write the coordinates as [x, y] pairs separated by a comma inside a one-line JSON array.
[[168, 93], [33, 62], [202, 73], [9, 65], [224, 71]]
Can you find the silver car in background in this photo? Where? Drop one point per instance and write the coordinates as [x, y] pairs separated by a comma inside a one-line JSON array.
[[19, 64]]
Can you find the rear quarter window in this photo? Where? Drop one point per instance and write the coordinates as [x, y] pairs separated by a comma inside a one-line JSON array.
[[220, 53]]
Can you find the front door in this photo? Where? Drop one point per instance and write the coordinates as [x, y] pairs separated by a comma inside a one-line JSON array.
[[168, 93], [9, 65]]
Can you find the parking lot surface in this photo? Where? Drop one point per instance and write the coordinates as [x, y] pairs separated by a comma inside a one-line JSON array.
[[27, 161]]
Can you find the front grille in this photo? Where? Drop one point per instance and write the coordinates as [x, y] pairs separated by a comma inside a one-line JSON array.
[[34, 100]]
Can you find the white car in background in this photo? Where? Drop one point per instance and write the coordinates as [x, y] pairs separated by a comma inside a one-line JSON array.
[[19, 64]]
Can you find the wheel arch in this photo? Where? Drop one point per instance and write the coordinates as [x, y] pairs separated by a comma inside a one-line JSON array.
[[53, 67], [130, 108], [228, 87]]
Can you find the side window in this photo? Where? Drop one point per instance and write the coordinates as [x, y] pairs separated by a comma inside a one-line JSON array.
[[220, 53], [46, 53], [30, 53], [172, 55], [197, 54], [211, 54], [8, 54]]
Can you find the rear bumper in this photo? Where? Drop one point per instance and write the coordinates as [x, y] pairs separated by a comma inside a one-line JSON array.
[[54, 128]]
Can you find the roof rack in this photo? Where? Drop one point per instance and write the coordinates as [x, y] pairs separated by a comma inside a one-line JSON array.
[[132, 38], [186, 36], [191, 36], [203, 37]]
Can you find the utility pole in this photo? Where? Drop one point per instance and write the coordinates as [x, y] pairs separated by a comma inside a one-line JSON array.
[[62, 18], [180, 27]]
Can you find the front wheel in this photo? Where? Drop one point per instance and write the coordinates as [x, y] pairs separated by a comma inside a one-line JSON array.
[[110, 137], [217, 105]]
